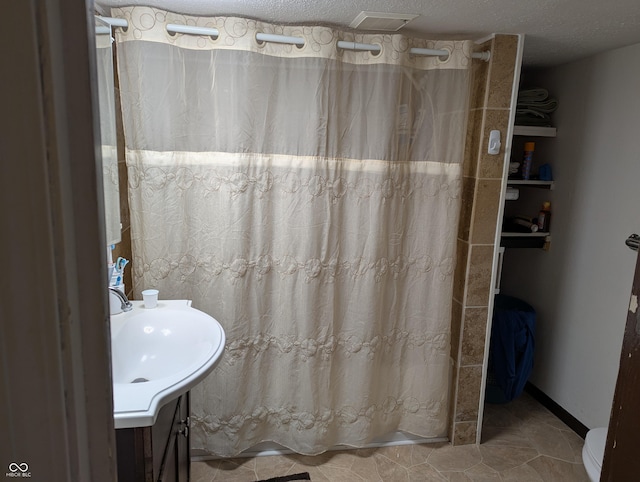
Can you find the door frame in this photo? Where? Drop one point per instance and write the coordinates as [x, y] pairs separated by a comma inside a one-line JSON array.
[[621, 461], [56, 407]]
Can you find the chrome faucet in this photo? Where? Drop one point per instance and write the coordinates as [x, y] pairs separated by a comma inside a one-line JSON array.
[[125, 304]]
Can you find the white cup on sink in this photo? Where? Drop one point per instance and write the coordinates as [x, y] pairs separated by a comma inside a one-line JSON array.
[[150, 298]]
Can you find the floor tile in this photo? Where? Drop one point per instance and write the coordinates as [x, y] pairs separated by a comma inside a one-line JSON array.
[[550, 441], [553, 469], [503, 458], [483, 473], [400, 454], [420, 452], [455, 459], [425, 473], [314, 472], [389, 469], [267, 467], [521, 442], [367, 468], [338, 473], [202, 471], [523, 473], [576, 443], [511, 436]]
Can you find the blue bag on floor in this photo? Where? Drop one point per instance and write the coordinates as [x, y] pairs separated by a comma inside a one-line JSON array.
[[512, 345]]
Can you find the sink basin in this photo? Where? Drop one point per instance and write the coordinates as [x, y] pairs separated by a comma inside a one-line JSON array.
[[157, 355]]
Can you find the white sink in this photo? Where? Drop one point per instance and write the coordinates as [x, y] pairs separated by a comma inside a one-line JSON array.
[[157, 355]]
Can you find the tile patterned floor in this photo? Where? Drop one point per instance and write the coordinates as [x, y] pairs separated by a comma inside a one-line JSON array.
[[522, 442]]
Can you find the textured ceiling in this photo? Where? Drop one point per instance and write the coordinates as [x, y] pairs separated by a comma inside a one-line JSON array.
[[556, 31]]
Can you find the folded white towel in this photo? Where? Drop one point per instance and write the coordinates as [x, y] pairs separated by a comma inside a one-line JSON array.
[[512, 194]]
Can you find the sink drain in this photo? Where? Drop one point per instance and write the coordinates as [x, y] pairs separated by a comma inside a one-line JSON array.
[[139, 380]]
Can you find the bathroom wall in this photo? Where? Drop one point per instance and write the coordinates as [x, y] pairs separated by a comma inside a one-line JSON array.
[[482, 185], [580, 288]]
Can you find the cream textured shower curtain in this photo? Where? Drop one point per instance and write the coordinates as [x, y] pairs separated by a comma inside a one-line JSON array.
[[308, 199]]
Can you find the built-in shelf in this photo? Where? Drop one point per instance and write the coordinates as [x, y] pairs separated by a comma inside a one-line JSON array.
[[537, 234], [522, 182], [524, 240], [520, 239], [534, 131]]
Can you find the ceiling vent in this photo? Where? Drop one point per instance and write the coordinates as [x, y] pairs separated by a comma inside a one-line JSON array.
[[378, 21]]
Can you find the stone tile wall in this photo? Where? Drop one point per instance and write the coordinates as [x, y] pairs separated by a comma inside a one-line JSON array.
[[482, 184]]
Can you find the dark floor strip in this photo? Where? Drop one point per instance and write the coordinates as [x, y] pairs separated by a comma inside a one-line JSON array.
[[572, 422], [288, 478]]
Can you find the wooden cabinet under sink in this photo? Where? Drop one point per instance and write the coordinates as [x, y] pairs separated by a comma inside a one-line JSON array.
[[159, 453]]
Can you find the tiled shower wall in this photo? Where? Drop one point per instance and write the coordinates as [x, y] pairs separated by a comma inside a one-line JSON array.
[[482, 184]]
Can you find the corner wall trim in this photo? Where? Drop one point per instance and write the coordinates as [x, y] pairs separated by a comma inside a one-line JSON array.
[[546, 401]]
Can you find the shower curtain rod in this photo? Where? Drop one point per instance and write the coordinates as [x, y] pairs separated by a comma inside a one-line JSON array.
[[214, 32], [173, 28]]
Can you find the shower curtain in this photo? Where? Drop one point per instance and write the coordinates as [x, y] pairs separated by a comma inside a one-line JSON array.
[[308, 199]]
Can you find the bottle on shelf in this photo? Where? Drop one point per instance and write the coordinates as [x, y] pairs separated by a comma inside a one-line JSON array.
[[527, 163], [544, 217], [525, 222]]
